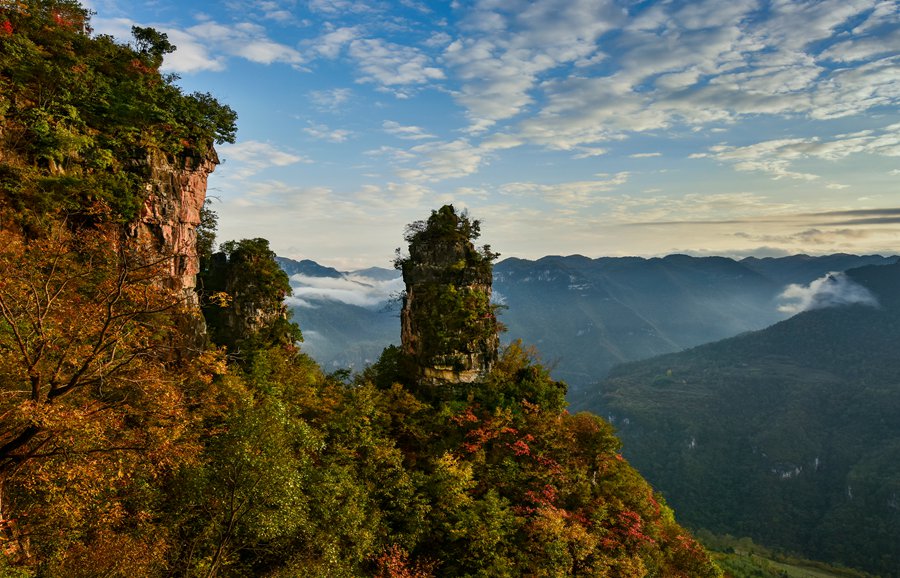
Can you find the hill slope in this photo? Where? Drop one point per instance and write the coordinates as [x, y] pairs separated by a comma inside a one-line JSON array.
[[789, 435]]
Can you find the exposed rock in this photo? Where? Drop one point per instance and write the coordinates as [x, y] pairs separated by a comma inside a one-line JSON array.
[[168, 222]]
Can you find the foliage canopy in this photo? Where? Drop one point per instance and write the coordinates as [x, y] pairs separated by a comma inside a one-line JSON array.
[[83, 116]]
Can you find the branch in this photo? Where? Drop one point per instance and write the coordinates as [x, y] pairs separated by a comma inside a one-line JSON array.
[[25, 436]]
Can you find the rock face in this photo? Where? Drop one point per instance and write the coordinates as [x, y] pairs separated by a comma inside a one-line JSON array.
[[175, 191], [167, 225], [448, 325]]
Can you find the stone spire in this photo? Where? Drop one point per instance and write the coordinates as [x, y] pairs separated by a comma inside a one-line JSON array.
[[448, 324]]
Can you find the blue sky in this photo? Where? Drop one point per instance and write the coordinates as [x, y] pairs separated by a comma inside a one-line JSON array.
[[601, 127]]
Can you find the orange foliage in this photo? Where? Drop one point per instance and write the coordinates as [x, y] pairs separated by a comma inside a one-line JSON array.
[[394, 563], [89, 406]]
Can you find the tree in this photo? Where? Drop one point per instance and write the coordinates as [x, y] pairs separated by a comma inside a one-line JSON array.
[[250, 495], [243, 298], [152, 44], [86, 395]]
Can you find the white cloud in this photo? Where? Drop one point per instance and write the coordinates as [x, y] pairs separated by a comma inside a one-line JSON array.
[[832, 290], [393, 154], [776, 156], [884, 14], [438, 161], [670, 64], [389, 65], [588, 152], [571, 194], [405, 132], [335, 7], [856, 49], [695, 208], [280, 11], [438, 39], [778, 168], [332, 100], [443, 160], [245, 40], [247, 158], [192, 55], [511, 44], [119, 28], [352, 289], [796, 26], [264, 51], [645, 155], [330, 44], [392, 195], [323, 132]]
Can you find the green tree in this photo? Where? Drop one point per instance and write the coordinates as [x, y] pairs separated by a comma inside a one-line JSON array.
[[152, 44], [251, 493], [243, 299]]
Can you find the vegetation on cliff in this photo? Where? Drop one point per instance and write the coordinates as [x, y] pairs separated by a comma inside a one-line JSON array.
[[243, 291], [448, 323], [124, 452], [83, 117]]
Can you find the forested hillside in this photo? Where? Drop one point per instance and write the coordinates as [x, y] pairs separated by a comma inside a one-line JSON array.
[[134, 442], [788, 435]]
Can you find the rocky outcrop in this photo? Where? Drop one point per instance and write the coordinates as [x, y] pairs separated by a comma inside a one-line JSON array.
[[243, 298], [175, 192], [448, 326]]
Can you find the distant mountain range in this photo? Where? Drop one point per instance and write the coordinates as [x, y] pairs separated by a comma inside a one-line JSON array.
[[789, 435], [584, 315]]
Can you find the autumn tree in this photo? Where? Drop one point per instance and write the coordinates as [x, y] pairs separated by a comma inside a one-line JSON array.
[[86, 396]]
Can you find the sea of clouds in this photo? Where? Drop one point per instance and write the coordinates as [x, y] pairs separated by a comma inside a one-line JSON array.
[[351, 288]]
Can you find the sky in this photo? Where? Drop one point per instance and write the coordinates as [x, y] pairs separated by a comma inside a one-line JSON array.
[[592, 127]]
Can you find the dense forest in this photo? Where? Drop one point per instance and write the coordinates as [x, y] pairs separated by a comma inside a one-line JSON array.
[[788, 435], [150, 430]]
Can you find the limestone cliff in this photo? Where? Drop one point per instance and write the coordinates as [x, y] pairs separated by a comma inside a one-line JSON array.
[[170, 214]]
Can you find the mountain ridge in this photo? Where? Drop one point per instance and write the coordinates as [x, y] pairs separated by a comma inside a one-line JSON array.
[[589, 314]]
